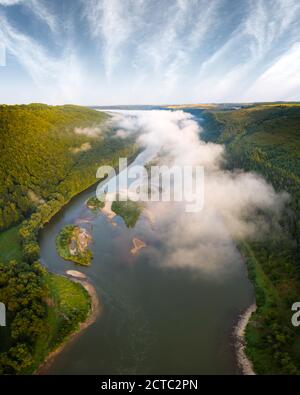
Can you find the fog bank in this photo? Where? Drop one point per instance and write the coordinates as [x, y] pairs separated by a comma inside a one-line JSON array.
[[202, 240]]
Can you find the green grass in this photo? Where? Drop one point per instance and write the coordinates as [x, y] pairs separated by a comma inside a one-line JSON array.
[[68, 305], [10, 245], [71, 306], [130, 211]]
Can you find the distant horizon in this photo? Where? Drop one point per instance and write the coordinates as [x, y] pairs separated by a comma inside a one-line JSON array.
[[156, 104], [196, 103]]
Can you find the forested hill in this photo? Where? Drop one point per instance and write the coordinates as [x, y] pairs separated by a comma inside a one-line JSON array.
[[266, 139], [41, 147], [48, 155]]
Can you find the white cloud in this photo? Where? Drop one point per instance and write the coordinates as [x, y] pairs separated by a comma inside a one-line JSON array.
[[235, 68], [89, 132], [10, 2], [267, 21], [202, 240], [112, 23], [156, 52], [38, 8], [173, 42], [160, 40], [281, 81], [59, 78]]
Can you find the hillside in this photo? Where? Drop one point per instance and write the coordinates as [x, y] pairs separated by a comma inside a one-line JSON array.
[[42, 149], [266, 139], [49, 154]]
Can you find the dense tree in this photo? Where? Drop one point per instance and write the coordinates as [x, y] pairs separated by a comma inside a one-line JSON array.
[[23, 290], [266, 139], [42, 167], [41, 159]]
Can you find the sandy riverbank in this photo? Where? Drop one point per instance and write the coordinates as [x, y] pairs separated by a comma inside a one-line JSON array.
[[239, 334], [76, 274], [107, 210], [95, 310], [137, 246]]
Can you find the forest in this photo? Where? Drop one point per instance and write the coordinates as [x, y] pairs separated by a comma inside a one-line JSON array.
[[266, 139], [49, 154]]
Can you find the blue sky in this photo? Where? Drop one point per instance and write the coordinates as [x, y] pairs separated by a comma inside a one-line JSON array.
[[149, 51]]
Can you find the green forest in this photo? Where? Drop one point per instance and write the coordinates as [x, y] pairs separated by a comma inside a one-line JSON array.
[[49, 154], [266, 139]]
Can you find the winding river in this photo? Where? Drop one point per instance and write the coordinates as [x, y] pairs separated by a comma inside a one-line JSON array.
[[155, 319]]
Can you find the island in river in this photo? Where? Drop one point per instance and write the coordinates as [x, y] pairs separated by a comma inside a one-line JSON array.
[[177, 295], [94, 204], [72, 245], [137, 246], [129, 210], [149, 311]]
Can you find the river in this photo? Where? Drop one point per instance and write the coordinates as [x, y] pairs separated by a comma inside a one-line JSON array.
[[155, 319]]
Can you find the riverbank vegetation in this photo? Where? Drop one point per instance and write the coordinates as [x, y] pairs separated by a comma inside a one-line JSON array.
[[43, 309], [94, 204], [10, 245], [129, 210], [266, 139], [68, 306], [72, 245], [40, 171]]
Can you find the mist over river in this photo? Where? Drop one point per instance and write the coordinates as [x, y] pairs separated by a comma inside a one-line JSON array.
[[171, 308]]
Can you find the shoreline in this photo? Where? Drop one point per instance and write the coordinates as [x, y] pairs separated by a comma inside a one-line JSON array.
[[244, 362], [85, 189], [96, 308], [94, 312]]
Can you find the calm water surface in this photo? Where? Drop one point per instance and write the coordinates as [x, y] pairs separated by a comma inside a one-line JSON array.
[[155, 320]]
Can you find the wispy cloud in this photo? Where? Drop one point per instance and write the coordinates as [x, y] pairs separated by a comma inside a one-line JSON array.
[[111, 22], [10, 2], [141, 51], [202, 241], [268, 29], [38, 7], [172, 44], [28, 52], [282, 76], [148, 36], [56, 76], [41, 10], [268, 21]]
